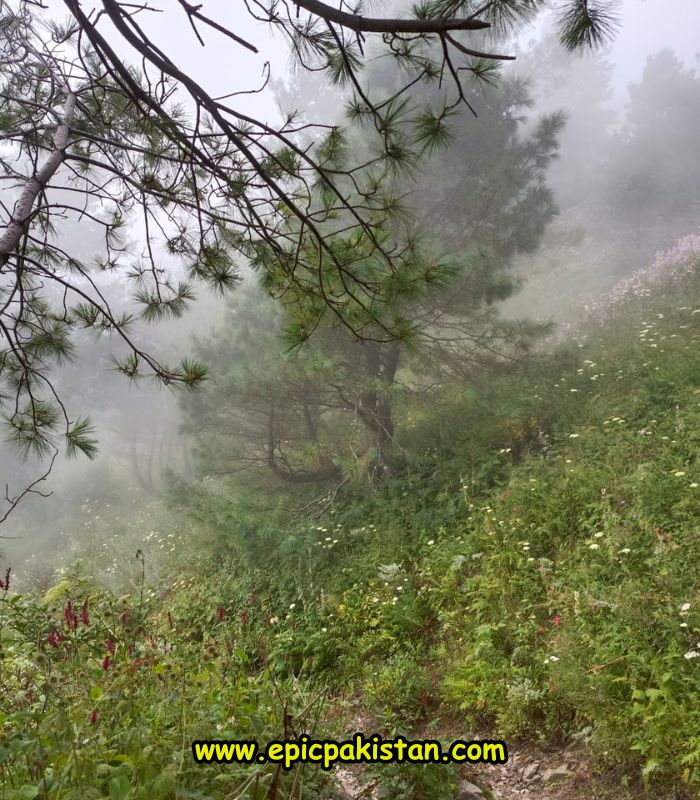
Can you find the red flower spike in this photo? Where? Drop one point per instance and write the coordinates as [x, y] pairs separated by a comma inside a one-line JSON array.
[[220, 613], [94, 717], [54, 638], [244, 618], [5, 585], [109, 644], [556, 620], [84, 615], [106, 663], [68, 613]]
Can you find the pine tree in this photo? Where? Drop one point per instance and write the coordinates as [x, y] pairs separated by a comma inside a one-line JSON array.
[[90, 140]]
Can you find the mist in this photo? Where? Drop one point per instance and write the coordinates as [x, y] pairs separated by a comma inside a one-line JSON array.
[[589, 246], [307, 484]]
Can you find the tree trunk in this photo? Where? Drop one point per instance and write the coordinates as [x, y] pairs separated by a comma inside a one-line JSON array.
[[375, 410]]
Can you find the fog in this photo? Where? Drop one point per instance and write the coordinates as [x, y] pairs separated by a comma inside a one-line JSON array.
[[610, 222]]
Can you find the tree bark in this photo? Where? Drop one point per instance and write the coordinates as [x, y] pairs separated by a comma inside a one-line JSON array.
[[22, 212]]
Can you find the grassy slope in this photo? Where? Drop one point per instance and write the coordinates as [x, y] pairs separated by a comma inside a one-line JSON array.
[[527, 577]]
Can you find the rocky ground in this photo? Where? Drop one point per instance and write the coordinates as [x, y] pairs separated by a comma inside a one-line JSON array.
[[529, 775]]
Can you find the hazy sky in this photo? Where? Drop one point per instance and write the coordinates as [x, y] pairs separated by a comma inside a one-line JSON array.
[[652, 25], [222, 66]]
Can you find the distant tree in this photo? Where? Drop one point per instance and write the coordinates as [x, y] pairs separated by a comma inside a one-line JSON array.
[[654, 167], [581, 85], [199, 183], [305, 416]]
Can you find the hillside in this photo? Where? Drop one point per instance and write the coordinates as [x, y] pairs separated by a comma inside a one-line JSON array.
[[532, 577]]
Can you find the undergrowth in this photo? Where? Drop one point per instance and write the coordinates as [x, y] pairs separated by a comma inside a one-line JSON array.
[[533, 574]]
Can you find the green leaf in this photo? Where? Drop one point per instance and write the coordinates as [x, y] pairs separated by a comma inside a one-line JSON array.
[[119, 788]]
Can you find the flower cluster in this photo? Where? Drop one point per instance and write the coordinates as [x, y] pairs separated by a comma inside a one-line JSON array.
[[5, 584]]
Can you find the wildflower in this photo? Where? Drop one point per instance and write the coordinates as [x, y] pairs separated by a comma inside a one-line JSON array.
[[594, 546], [70, 616], [431, 542], [94, 717], [684, 624], [109, 644], [599, 534], [84, 615], [5, 585], [556, 620], [292, 606], [679, 474], [691, 654], [625, 550], [685, 607], [54, 638], [106, 663], [573, 436], [244, 618], [220, 613], [693, 486], [324, 630]]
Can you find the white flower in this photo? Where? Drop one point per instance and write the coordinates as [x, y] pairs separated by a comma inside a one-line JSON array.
[[324, 630], [691, 654], [431, 541], [625, 550], [599, 534], [679, 474], [573, 436], [684, 624], [693, 486], [685, 607], [594, 546], [292, 605]]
